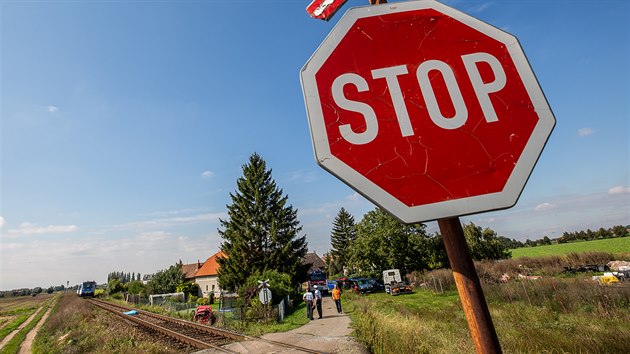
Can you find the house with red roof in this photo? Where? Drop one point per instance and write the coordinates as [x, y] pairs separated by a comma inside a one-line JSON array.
[[190, 270], [207, 277]]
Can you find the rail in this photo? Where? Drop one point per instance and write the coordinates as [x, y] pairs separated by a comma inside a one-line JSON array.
[[191, 333]]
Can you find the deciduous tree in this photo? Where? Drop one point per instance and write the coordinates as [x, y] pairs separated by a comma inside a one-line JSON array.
[[484, 244], [166, 281], [383, 242]]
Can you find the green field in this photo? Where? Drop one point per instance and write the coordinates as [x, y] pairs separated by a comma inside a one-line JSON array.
[[611, 245]]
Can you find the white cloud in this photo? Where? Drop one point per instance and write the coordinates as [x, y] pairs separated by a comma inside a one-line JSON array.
[[207, 174], [2, 221], [171, 221], [585, 132], [26, 229], [487, 220], [302, 176], [153, 236], [353, 197], [560, 213], [50, 261], [52, 108], [480, 7], [545, 206], [618, 190]]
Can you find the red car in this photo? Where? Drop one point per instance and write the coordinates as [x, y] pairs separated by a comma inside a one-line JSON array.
[[203, 314]]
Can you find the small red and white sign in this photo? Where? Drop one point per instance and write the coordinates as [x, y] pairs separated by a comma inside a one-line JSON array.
[[426, 111], [324, 9]]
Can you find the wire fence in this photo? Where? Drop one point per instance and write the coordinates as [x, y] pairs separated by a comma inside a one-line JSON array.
[[228, 312]]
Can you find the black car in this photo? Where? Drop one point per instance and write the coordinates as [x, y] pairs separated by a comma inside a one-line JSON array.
[[377, 285], [361, 285]]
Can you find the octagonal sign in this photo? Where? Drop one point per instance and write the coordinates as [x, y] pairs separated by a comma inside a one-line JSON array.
[[424, 110]]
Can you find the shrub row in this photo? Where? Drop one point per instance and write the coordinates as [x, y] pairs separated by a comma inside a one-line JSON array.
[[494, 272]]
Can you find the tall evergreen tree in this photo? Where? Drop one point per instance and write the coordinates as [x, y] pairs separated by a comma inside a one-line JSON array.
[[344, 232], [262, 231]]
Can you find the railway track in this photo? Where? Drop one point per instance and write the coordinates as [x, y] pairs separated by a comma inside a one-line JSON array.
[[190, 333]]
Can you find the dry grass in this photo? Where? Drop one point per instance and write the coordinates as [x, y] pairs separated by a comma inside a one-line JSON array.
[[558, 313], [493, 272], [403, 329], [74, 326], [544, 317], [564, 295]]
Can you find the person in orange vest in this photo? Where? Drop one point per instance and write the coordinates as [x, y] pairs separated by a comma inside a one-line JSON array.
[[336, 295]]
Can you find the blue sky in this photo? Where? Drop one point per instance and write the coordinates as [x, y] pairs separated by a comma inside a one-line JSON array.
[[125, 125]]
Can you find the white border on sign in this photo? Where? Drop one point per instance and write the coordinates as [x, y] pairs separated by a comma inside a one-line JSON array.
[[463, 206]]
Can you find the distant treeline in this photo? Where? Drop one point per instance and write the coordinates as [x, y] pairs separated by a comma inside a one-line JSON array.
[[125, 277], [34, 291], [588, 235]]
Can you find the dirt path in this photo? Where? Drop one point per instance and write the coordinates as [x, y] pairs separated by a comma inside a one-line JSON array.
[[330, 334], [25, 348], [12, 334]]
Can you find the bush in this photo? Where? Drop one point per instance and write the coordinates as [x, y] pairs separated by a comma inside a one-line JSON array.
[[135, 287], [258, 312], [188, 288], [114, 286], [279, 283], [202, 301]]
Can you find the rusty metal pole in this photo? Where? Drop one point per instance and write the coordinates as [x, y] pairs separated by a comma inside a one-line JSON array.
[[471, 295], [468, 285]]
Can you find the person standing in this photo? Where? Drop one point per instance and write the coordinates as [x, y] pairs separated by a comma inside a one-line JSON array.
[[318, 301], [308, 298], [336, 295]]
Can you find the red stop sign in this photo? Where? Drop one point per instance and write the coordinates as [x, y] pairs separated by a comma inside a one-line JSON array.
[[426, 111]]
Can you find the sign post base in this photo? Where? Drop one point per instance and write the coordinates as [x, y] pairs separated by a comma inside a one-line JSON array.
[[476, 310]]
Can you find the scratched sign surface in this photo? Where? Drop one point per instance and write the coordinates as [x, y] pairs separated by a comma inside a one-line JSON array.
[[424, 110]]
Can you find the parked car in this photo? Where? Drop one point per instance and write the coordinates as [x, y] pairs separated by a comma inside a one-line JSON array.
[[344, 283], [361, 285], [377, 285]]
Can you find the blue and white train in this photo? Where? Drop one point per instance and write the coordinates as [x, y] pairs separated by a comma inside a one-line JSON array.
[[86, 289]]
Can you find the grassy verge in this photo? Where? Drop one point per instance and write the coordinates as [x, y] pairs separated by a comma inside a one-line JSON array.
[[421, 322], [74, 326], [292, 320], [11, 326], [611, 245], [555, 315], [14, 344]]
